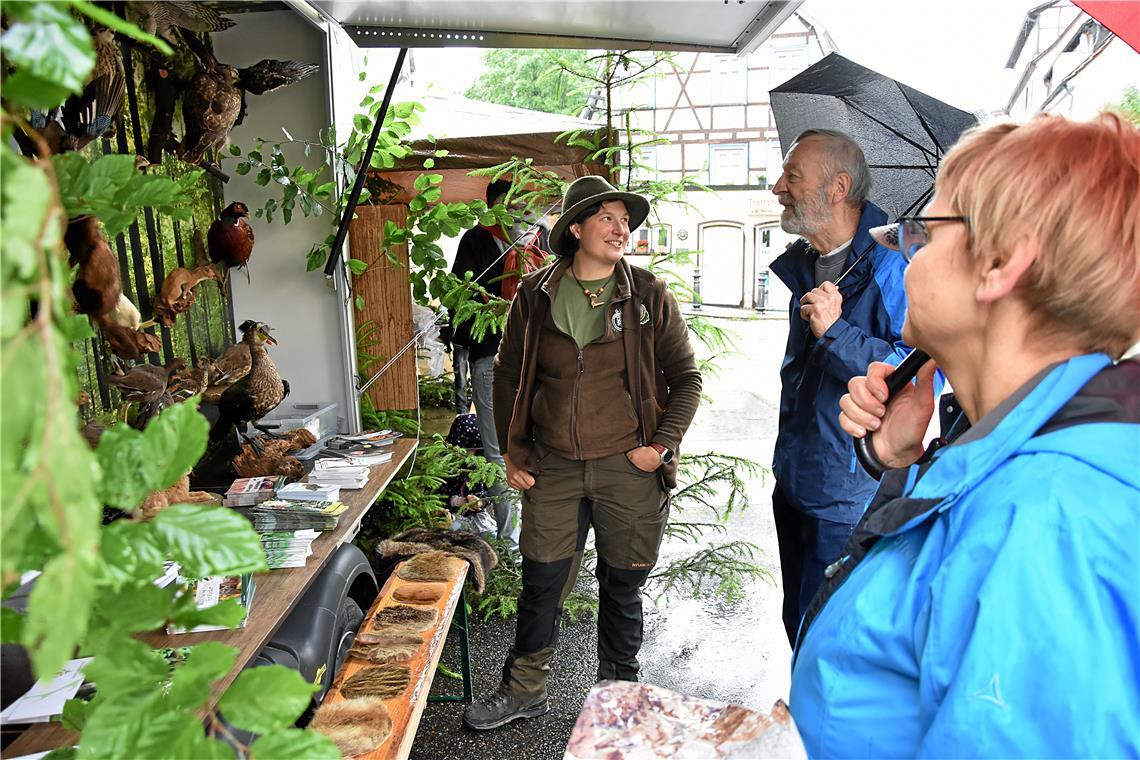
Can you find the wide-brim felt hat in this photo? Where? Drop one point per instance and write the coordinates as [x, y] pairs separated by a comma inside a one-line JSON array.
[[586, 191]]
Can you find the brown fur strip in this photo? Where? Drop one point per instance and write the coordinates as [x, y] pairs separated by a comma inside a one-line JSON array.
[[419, 593], [467, 546], [356, 726], [382, 655], [382, 682], [407, 619], [388, 640], [429, 566]]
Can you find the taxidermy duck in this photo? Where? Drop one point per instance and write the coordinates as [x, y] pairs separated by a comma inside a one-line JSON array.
[[232, 365], [97, 287], [255, 395], [231, 238], [145, 385]]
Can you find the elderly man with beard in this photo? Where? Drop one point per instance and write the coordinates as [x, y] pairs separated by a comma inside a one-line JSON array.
[[840, 321]]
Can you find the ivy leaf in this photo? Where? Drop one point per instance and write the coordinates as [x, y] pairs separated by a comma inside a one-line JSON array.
[[294, 743], [359, 301], [356, 266], [429, 163], [266, 699], [190, 687], [263, 177], [208, 540], [242, 168], [234, 150], [315, 259], [50, 50]]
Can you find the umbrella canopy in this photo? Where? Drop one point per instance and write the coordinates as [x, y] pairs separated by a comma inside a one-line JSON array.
[[903, 132], [1122, 17]]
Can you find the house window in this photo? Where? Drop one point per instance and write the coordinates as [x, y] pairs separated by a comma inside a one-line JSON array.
[[729, 82], [728, 165], [663, 238], [639, 241]]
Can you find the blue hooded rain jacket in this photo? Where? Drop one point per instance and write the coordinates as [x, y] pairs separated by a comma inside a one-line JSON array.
[[989, 602], [815, 461]]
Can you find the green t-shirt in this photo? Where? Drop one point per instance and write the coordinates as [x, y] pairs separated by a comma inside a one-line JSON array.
[[572, 311]]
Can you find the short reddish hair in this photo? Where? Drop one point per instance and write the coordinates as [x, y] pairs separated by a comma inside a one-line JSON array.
[[1075, 186]]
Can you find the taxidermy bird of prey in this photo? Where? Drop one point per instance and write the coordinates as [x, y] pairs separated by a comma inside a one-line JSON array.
[[231, 237], [159, 17], [210, 109]]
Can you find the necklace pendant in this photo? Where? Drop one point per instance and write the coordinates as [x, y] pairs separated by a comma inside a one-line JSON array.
[[594, 302]]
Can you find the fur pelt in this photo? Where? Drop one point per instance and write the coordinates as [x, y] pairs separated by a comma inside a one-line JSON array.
[[467, 546], [275, 458], [419, 593], [356, 726], [429, 566], [388, 639], [179, 493], [382, 654], [403, 619], [383, 682]]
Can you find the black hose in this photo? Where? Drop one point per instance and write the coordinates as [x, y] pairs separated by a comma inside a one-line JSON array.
[[902, 375]]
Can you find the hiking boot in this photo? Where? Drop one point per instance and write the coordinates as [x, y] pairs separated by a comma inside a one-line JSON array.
[[501, 708]]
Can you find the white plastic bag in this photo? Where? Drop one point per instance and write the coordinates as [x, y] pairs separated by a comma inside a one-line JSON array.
[[430, 351]]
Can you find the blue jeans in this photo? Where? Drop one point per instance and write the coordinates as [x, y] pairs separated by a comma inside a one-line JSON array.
[[459, 356], [503, 499], [807, 546]]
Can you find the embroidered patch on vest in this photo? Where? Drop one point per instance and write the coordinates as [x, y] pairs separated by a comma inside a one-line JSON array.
[[616, 319]]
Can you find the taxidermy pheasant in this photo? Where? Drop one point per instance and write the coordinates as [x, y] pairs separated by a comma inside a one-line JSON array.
[[255, 395], [231, 238]]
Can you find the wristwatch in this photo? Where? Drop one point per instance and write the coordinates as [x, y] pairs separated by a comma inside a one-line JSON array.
[[666, 454]]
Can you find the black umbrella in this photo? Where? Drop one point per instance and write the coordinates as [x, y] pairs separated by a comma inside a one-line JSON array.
[[903, 132]]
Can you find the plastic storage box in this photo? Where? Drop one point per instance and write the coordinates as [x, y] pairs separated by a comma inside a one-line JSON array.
[[319, 419]]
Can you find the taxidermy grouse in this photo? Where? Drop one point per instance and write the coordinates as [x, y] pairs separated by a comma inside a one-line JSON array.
[[256, 394], [158, 17], [231, 238]]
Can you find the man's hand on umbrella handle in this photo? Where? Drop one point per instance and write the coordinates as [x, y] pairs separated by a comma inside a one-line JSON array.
[[517, 477], [898, 424], [821, 307]]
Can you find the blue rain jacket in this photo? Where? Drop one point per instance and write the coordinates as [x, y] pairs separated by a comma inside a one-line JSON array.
[[815, 461], [995, 609]]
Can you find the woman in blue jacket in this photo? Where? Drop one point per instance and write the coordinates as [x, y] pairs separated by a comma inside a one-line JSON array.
[[988, 603]]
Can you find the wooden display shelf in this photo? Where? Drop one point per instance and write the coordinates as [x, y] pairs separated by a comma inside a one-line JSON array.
[[277, 593], [407, 708]]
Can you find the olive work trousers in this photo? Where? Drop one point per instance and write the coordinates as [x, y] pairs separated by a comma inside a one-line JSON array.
[[628, 509]]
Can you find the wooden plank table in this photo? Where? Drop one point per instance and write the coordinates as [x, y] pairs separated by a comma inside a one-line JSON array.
[[277, 593], [407, 708]]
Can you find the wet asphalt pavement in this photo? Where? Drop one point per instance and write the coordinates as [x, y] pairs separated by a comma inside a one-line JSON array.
[[731, 652]]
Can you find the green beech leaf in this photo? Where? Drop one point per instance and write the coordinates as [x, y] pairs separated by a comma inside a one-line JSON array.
[[227, 613], [266, 699], [190, 686], [124, 666], [209, 540], [62, 753], [144, 727], [49, 49], [58, 610], [130, 554], [294, 744], [11, 625], [142, 607], [152, 459], [75, 712]]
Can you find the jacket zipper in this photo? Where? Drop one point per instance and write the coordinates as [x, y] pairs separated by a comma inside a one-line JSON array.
[[574, 414]]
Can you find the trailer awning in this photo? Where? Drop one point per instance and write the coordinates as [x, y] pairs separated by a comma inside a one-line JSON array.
[[715, 26]]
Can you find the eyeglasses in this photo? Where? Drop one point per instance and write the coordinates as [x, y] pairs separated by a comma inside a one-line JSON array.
[[913, 232]]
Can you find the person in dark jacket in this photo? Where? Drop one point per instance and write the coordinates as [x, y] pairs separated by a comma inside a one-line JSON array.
[[595, 385], [987, 604], [482, 252], [846, 311]]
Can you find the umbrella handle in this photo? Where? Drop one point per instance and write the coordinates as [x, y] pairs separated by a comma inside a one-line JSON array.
[[902, 375]]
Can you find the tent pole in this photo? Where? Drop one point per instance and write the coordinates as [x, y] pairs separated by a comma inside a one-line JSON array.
[[362, 172]]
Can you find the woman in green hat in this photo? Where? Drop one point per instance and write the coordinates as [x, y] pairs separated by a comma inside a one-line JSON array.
[[595, 384]]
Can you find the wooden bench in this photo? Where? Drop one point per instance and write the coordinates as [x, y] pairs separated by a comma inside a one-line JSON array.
[[408, 706]]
